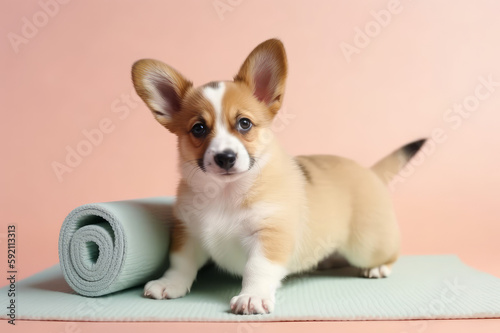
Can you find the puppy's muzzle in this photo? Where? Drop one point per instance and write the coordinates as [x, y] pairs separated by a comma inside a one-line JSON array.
[[226, 159]]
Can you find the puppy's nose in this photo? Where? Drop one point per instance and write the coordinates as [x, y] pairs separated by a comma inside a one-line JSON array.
[[226, 159]]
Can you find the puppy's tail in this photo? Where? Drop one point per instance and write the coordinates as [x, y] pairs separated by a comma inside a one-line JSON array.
[[388, 167]]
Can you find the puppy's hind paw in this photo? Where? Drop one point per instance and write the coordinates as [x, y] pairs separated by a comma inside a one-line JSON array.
[[381, 271]]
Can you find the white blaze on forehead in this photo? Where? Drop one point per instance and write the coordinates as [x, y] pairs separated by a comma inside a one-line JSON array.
[[223, 139], [214, 95]]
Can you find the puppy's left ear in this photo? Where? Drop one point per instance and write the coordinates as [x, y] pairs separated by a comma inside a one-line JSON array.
[[264, 71]]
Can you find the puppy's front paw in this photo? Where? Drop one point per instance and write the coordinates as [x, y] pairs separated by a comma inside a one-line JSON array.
[[251, 304], [165, 288]]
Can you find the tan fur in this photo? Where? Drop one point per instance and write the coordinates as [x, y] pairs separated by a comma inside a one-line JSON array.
[[238, 103], [280, 232], [178, 235], [350, 212], [270, 48], [142, 68], [344, 208]]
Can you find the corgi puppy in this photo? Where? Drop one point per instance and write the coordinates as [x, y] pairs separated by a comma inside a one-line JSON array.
[[246, 204]]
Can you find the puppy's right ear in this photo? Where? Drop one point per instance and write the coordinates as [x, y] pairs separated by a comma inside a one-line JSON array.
[[161, 87]]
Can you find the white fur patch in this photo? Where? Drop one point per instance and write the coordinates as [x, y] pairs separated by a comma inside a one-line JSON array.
[[177, 280], [260, 281], [225, 230], [228, 234], [215, 95], [223, 139]]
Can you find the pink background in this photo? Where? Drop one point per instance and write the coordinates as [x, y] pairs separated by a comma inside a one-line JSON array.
[[74, 73]]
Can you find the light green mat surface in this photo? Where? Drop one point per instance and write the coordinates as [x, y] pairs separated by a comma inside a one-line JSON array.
[[420, 287]]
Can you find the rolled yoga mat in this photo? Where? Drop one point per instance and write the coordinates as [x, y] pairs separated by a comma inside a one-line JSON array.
[[111, 246]]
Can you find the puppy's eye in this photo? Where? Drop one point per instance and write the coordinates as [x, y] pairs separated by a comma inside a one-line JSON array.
[[244, 124], [199, 130]]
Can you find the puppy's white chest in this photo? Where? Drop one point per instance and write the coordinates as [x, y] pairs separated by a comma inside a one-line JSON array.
[[225, 233]]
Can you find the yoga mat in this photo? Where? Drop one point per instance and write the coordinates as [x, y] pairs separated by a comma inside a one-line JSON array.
[[111, 246], [421, 287]]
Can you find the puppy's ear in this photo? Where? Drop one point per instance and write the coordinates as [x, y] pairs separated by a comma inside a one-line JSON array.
[[264, 71], [161, 87]]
